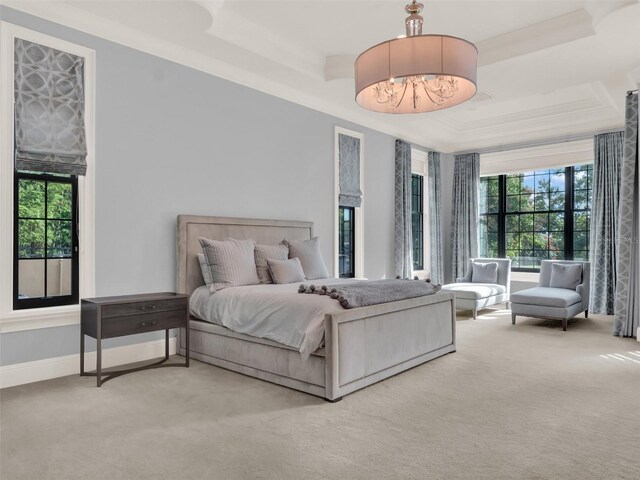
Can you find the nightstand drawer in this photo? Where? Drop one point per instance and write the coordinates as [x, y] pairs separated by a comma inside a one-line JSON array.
[[153, 306], [132, 324]]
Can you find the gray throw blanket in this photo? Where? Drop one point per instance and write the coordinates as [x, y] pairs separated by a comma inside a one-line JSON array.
[[365, 293]]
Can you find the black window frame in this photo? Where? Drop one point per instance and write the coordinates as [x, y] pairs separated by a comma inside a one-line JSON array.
[[46, 301], [346, 233], [569, 210], [417, 220]]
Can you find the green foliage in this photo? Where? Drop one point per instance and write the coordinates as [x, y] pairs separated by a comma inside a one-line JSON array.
[[534, 220], [44, 205]]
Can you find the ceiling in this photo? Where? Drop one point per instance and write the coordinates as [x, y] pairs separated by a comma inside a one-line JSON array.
[[547, 69]]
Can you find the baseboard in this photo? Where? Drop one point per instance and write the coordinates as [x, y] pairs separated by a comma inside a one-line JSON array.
[[38, 370]]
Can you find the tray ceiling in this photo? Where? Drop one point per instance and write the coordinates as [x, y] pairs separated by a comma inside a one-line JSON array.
[[546, 68]]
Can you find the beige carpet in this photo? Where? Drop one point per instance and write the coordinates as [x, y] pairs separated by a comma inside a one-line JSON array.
[[523, 402]]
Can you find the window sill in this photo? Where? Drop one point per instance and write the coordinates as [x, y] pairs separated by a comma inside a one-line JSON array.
[[525, 277], [33, 319]]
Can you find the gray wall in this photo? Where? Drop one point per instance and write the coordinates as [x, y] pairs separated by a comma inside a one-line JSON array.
[[171, 140]]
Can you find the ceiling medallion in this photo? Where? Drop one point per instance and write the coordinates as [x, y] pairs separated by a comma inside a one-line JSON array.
[[417, 73]]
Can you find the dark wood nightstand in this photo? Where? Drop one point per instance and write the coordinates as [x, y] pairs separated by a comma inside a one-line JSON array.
[[108, 317]]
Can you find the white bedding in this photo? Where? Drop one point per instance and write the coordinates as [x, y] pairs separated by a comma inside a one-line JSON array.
[[276, 312]]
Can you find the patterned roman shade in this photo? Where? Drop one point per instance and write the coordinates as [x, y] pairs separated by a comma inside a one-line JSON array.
[[49, 110], [349, 158]]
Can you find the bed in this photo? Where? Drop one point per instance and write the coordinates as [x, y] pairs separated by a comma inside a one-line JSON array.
[[361, 345]]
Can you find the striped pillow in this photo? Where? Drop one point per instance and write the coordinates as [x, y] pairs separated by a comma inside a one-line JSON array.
[[269, 252], [205, 269], [231, 262]]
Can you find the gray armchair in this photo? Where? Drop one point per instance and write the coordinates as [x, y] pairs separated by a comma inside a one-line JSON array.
[[544, 301], [473, 295]]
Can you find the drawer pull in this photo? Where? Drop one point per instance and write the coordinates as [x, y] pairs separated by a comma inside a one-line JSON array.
[[154, 322], [152, 307], [143, 324]]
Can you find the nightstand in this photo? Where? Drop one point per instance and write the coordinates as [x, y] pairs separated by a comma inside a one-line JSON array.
[[109, 317]]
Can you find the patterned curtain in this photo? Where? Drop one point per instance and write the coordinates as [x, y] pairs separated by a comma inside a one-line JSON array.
[[464, 212], [607, 163], [49, 110], [403, 240], [627, 303], [435, 220], [349, 161]]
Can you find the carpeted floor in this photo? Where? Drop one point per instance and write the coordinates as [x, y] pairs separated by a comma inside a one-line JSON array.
[[523, 402]]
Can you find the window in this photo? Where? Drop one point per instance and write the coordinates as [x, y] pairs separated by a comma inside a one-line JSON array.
[[417, 220], [16, 312], [349, 201], [419, 216], [45, 240], [535, 216], [346, 241]]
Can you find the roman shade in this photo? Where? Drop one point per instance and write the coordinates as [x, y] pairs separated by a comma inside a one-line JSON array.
[[49, 110], [350, 194]]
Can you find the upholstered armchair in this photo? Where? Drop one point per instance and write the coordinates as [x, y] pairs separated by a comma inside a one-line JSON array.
[[479, 288], [561, 294]]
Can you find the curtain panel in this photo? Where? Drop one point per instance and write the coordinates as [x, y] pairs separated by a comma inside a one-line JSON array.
[[49, 110], [607, 163], [350, 194], [435, 219], [403, 239], [464, 212], [627, 303]]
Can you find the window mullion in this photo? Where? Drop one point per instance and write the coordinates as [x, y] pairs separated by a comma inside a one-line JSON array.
[[568, 213], [46, 239], [502, 206]]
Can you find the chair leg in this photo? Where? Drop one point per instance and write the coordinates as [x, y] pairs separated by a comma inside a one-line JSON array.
[[513, 319], [564, 324], [475, 313], [586, 313]]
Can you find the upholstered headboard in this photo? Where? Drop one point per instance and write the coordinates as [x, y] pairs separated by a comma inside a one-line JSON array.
[[192, 227]]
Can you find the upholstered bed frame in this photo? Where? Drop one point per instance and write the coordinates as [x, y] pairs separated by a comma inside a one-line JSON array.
[[362, 345]]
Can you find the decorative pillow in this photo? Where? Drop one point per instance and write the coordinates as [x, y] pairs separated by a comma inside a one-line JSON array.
[[204, 268], [286, 271], [231, 262], [484, 272], [565, 275], [269, 252], [308, 252]]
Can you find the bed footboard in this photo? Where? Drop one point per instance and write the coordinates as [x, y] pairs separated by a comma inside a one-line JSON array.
[[366, 345]]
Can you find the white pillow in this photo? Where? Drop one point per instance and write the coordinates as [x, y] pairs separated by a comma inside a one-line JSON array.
[[286, 271], [231, 262], [204, 268], [308, 251], [484, 272], [565, 275], [269, 252]]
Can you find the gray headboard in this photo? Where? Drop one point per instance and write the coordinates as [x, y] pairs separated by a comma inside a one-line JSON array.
[[191, 227]]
